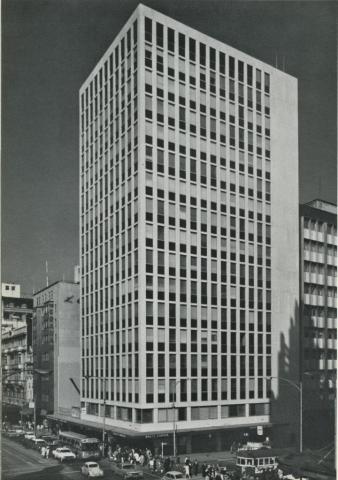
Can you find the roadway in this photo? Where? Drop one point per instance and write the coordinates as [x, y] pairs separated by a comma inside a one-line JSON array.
[[20, 463]]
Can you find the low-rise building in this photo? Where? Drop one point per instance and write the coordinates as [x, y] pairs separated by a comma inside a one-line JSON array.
[[56, 346], [17, 357], [15, 307]]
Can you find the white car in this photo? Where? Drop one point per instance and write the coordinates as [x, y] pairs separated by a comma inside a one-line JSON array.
[[173, 475], [92, 469], [63, 454]]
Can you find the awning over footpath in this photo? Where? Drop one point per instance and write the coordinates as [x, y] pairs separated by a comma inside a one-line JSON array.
[[125, 432]]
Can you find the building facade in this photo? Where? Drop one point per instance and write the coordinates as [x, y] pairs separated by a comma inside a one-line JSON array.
[[17, 364], [318, 269], [189, 280], [56, 347], [16, 308]]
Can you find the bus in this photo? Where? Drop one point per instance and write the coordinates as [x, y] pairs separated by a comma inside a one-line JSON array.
[[84, 447]]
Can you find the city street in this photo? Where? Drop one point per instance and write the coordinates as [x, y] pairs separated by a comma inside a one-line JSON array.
[[21, 463]]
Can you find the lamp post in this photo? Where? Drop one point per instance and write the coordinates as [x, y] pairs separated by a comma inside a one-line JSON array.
[[104, 381], [37, 371], [174, 416], [174, 419], [299, 388]]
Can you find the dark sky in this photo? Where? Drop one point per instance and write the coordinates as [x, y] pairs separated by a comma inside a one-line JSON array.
[[49, 48]]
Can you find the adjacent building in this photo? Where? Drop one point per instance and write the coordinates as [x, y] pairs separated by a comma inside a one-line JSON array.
[[189, 239], [56, 347], [17, 379], [16, 308], [318, 285]]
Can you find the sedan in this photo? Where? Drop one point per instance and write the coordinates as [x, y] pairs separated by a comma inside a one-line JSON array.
[[63, 454], [92, 469], [173, 475], [127, 470]]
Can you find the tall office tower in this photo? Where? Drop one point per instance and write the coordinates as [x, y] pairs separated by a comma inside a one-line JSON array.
[[189, 235], [318, 269]]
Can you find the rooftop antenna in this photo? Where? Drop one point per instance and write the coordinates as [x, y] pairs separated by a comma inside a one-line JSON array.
[[276, 60], [46, 273], [284, 63], [320, 186]]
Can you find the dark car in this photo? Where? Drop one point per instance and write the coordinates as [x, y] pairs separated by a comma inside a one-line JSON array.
[[127, 470]]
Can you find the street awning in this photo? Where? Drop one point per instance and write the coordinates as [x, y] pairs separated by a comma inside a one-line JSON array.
[[124, 432]]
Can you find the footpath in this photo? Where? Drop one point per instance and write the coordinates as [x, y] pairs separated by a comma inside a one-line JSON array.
[[306, 464], [209, 458]]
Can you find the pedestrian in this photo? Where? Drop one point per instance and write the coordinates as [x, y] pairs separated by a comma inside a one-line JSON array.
[[47, 452], [43, 451], [190, 469], [195, 467], [154, 465], [203, 469], [187, 470]]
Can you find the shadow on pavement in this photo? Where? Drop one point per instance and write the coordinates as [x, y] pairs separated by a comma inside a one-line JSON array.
[[54, 473]]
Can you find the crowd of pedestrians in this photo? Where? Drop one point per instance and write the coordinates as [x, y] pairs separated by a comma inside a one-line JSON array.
[[136, 456]]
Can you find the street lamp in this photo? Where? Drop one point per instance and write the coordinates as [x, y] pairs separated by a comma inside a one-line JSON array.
[[37, 371], [104, 381], [299, 388], [174, 416]]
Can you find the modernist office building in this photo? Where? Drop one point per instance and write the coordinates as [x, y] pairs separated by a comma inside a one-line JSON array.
[[189, 234], [318, 268]]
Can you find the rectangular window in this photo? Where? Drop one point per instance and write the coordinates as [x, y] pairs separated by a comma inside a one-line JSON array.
[[192, 49], [212, 58], [148, 29], [202, 54], [231, 67], [159, 35], [171, 40], [181, 44]]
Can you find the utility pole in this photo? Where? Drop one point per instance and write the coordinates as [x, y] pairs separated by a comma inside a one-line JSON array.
[[104, 412]]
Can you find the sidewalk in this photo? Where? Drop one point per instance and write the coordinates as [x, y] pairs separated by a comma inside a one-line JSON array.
[[209, 458]]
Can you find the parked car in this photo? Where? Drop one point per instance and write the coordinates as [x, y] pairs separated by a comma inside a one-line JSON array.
[[11, 433], [173, 475], [127, 470], [38, 443], [92, 469], [64, 454]]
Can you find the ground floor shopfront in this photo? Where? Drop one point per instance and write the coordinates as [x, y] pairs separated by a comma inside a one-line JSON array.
[[14, 414], [187, 442]]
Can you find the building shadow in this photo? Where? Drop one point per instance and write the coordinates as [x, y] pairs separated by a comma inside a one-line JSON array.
[[299, 362], [285, 399]]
